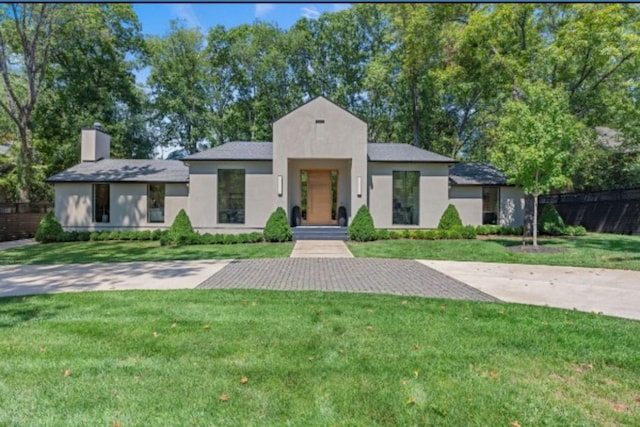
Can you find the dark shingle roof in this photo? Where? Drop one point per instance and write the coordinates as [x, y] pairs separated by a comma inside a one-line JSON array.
[[380, 152], [237, 150], [476, 174], [242, 150], [125, 170]]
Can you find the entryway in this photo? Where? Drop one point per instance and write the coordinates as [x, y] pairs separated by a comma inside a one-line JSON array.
[[319, 196]]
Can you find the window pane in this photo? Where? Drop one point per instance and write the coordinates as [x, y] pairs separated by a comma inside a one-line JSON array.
[[231, 196], [155, 202], [101, 204], [490, 201], [406, 197]]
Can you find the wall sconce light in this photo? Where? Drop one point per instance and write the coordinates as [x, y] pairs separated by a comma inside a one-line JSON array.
[[359, 186], [280, 186]]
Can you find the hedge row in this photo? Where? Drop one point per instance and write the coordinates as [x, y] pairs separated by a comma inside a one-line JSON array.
[[211, 239], [464, 232]]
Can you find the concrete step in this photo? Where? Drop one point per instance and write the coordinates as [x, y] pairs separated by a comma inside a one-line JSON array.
[[319, 233]]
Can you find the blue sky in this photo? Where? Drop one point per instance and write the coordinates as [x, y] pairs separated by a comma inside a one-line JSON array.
[[155, 17]]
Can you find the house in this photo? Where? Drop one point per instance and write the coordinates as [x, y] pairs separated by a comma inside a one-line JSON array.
[[319, 168]]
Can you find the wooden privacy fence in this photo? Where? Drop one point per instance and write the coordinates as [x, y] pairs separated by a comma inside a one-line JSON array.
[[20, 220], [614, 211]]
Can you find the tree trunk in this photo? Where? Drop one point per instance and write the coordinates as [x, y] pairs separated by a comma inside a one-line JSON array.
[[535, 219], [25, 164]]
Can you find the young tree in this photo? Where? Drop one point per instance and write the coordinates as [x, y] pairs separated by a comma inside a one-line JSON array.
[[535, 138]]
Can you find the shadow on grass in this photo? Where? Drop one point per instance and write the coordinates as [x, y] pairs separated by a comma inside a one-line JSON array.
[[17, 310], [610, 242]]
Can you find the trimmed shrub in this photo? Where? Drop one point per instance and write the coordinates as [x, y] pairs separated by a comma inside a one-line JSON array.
[[277, 228], [575, 231], [468, 232], [550, 221], [450, 219], [181, 231], [382, 234], [362, 228], [394, 235], [181, 225], [49, 229]]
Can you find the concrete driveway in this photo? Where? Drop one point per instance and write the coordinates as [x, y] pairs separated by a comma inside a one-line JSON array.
[[38, 279], [611, 292], [599, 290]]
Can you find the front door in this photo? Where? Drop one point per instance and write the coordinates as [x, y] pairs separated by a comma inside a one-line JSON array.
[[319, 197]]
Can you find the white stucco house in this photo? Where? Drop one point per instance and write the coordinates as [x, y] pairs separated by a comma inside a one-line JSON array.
[[320, 168]]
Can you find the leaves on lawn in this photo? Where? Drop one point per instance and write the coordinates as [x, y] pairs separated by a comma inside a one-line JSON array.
[[493, 374], [224, 397], [67, 373], [411, 401], [116, 424], [155, 334], [207, 326], [244, 380], [514, 424], [416, 347]]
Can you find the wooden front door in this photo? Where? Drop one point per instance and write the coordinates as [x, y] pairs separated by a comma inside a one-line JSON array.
[[319, 197]]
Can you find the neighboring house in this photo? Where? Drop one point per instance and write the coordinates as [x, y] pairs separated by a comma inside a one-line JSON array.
[[319, 167]]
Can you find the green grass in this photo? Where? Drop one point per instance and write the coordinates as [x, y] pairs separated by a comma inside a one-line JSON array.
[[593, 250], [89, 252], [143, 358]]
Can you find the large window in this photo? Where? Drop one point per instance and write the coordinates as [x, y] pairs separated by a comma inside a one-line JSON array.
[[155, 202], [101, 203], [231, 196], [490, 205], [406, 197]]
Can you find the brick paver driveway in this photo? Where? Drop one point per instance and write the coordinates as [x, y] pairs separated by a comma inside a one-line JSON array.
[[385, 276]]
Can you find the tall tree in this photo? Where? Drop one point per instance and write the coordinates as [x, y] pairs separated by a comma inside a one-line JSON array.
[[91, 79], [26, 37], [177, 84], [536, 138]]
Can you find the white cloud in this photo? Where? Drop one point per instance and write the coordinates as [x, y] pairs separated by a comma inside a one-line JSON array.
[[186, 13], [263, 9], [310, 12]]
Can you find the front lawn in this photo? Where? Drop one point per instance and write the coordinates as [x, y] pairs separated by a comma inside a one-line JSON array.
[[243, 357], [593, 250], [89, 252]]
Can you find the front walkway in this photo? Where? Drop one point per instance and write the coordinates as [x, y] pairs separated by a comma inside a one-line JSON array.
[[321, 249]]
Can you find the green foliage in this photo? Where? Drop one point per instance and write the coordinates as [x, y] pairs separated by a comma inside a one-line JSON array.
[[468, 232], [550, 221], [181, 231], [277, 228], [575, 231], [450, 219], [361, 228], [49, 229]]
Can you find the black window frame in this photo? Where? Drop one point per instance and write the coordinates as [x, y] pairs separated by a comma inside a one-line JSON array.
[[405, 209], [153, 202], [231, 204], [99, 212], [491, 217]]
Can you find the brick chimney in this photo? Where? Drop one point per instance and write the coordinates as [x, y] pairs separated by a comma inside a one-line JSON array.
[[96, 144]]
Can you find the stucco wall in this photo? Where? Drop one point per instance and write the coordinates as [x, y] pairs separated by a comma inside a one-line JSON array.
[[128, 206], [434, 189], [73, 204], [511, 206], [260, 195], [320, 130], [468, 200]]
